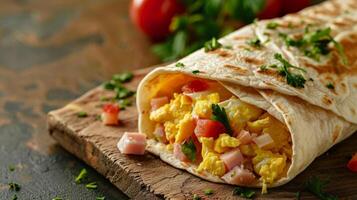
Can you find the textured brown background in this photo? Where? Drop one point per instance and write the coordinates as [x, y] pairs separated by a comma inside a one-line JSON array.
[[52, 51]]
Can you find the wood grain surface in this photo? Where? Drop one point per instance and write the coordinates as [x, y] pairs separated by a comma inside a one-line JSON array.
[[147, 177]]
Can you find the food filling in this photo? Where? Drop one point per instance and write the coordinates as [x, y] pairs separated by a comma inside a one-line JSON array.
[[205, 125]]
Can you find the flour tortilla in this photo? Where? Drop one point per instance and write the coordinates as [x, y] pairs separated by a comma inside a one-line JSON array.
[[316, 116]]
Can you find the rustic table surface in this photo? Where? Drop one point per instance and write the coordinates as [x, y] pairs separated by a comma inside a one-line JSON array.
[[50, 53]]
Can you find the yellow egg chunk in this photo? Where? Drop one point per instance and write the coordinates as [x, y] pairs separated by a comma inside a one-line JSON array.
[[258, 125], [247, 150], [162, 114], [212, 164], [185, 127], [180, 105], [224, 142], [170, 131], [268, 165], [207, 145], [203, 105], [278, 133]]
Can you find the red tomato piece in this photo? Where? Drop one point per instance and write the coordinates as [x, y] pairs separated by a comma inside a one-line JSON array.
[[195, 86], [209, 128], [271, 9], [158, 102], [111, 108], [153, 17], [291, 6], [352, 164]]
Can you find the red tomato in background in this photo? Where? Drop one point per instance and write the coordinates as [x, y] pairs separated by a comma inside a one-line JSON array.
[[352, 164], [272, 9], [291, 6], [153, 17], [195, 86], [111, 108], [209, 128]]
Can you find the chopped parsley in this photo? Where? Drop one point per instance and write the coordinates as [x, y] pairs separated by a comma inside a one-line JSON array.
[[263, 68], [123, 77], [82, 114], [11, 168], [212, 44], [100, 198], [208, 191], [295, 80], [272, 25], [189, 149], [195, 71], [14, 187], [219, 114], [14, 197], [123, 103], [243, 192], [196, 197], [82, 175], [255, 42], [330, 86], [92, 185], [316, 186], [180, 64]]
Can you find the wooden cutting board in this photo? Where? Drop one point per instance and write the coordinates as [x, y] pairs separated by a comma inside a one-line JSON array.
[[147, 177]]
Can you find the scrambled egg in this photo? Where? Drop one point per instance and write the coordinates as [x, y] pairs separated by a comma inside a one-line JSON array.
[[212, 164], [247, 150], [268, 165], [239, 113], [224, 142], [207, 145], [186, 126], [203, 105]]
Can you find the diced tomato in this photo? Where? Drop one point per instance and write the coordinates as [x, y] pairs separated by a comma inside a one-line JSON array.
[[209, 128], [158, 102], [110, 114], [159, 133], [179, 154], [195, 86], [132, 143], [352, 164], [271, 9]]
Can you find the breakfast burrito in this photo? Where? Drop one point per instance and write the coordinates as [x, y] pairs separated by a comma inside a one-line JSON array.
[[256, 107]]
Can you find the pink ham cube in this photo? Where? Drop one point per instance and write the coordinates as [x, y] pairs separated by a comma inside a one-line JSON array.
[[132, 143], [239, 176], [232, 158]]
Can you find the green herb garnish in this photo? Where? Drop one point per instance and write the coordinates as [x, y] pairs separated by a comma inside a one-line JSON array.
[[219, 114], [316, 186], [83, 174], [212, 44], [243, 192], [196, 197], [14, 187], [330, 86], [180, 64], [92, 185], [123, 77], [14, 197], [272, 25], [123, 103], [82, 114], [189, 149], [195, 71], [208, 191], [100, 198], [11, 168], [295, 80], [263, 68], [255, 42]]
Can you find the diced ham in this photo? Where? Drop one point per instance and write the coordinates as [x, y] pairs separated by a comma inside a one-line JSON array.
[[232, 158], [179, 154], [244, 137], [263, 140], [110, 113], [239, 176], [132, 143], [158, 102], [159, 133]]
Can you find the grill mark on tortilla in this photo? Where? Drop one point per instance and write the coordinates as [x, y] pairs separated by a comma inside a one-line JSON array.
[[326, 100], [353, 111], [336, 132], [355, 85], [221, 53], [236, 69], [253, 61], [242, 37]]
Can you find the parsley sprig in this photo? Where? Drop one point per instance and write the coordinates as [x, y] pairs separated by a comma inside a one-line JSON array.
[[316, 187], [82, 175], [244, 192], [219, 114], [189, 149], [203, 20], [212, 44]]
